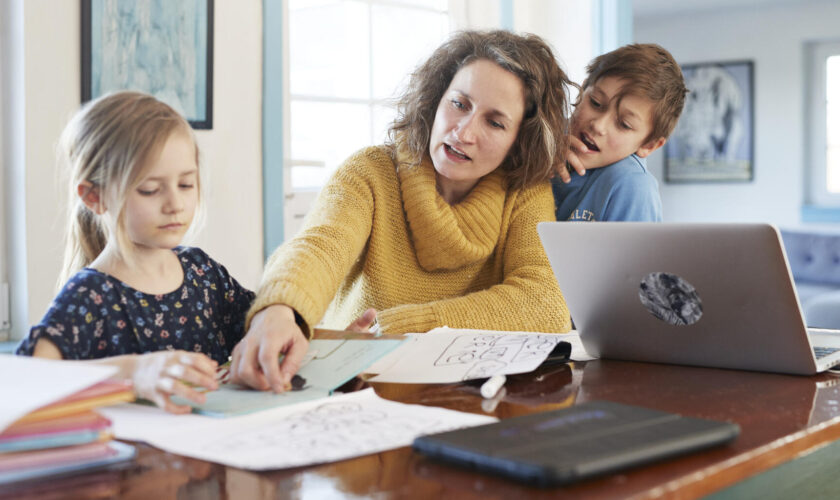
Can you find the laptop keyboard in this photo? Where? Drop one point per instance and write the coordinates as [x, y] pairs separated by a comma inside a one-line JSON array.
[[821, 352]]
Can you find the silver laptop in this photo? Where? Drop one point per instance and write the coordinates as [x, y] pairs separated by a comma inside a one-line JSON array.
[[715, 295]]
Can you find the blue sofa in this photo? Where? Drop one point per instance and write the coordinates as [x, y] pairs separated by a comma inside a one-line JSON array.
[[814, 257]]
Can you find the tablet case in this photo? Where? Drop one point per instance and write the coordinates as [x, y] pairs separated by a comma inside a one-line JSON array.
[[567, 445]]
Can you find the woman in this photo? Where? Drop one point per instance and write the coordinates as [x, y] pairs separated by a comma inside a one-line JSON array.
[[438, 227]]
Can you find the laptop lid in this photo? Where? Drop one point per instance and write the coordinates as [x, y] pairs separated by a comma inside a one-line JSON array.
[[714, 295]]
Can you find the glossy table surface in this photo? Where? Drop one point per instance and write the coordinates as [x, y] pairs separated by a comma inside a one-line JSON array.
[[781, 417]]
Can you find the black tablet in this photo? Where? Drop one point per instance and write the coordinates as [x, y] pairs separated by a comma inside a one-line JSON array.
[[587, 440]]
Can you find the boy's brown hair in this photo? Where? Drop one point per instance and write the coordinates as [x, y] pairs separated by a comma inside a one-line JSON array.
[[650, 71]]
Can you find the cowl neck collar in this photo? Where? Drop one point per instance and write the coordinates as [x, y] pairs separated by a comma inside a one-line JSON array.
[[448, 236]]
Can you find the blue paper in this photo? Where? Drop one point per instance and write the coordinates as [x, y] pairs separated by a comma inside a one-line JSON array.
[[50, 441], [332, 363]]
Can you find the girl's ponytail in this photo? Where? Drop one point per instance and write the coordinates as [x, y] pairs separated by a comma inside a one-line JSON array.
[[85, 240]]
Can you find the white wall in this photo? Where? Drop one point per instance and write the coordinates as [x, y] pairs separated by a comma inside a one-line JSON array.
[[773, 37], [566, 24], [232, 151], [51, 90], [9, 72]]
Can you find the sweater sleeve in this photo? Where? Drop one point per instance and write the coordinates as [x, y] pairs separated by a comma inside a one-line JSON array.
[[305, 272], [528, 298]]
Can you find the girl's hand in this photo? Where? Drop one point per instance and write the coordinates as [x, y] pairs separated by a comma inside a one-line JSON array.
[[159, 375], [572, 159], [255, 358]]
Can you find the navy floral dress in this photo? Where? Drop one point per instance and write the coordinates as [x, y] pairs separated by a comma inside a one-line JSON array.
[[96, 315]]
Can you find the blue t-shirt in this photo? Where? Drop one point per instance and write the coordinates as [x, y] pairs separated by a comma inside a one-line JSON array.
[[96, 315], [623, 191]]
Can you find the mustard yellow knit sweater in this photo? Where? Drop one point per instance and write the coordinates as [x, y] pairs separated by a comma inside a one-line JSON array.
[[380, 235]]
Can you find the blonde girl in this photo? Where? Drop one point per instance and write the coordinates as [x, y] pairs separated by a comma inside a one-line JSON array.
[[128, 288]]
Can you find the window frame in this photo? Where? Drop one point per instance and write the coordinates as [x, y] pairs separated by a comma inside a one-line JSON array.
[[297, 201], [816, 140], [5, 303], [370, 102]]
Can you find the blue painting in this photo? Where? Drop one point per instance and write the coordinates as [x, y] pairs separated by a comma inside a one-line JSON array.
[[713, 140], [160, 47]]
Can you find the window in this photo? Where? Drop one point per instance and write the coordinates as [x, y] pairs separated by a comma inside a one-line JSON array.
[[347, 61], [832, 122], [823, 143]]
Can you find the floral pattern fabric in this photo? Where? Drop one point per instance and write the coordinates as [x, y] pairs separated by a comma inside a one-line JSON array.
[[95, 315]]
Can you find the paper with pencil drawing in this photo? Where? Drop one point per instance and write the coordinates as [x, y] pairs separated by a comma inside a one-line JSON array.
[[324, 430], [328, 364], [447, 355]]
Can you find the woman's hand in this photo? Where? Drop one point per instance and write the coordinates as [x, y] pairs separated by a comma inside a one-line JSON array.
[[157, 376], [255, 358], [575, 146], [364, 322]]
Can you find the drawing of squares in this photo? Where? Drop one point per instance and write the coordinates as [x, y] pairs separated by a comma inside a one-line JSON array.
[[484, 355]]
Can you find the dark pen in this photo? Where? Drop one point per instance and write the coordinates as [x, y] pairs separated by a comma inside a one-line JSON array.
[[559, 354]]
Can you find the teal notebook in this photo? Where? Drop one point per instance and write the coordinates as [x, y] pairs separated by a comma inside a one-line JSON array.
[[54, 440], [328, 365]]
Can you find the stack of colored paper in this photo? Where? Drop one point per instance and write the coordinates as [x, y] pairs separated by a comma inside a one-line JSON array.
[[64, 436]]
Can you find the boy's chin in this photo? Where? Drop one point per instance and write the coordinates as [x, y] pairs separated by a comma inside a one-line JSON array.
[[593, 164]]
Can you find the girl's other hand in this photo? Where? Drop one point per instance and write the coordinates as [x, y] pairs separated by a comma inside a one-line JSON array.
[[157, 376]]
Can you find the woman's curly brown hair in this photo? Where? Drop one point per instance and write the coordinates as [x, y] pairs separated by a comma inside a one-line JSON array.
[[544, 133]]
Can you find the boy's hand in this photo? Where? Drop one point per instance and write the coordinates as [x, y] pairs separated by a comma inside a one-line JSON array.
[[157, 376], [572, 159]]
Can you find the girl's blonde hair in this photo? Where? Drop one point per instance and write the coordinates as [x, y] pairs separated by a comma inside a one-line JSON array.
[[107, 143]]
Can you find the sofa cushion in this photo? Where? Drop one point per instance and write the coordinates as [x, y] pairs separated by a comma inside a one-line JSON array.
[[814, 256], [823, 311], [808, 291]]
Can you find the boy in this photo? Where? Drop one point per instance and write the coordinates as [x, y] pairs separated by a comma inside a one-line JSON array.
[[628, 106]]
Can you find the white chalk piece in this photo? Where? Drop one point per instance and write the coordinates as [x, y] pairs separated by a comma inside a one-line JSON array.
[[492, 386]]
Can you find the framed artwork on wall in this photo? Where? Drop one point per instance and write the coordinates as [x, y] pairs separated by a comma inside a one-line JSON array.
[[713, 140], [162, 48]]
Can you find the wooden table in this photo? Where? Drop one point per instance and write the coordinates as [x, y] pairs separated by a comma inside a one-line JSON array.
[[781, 417]]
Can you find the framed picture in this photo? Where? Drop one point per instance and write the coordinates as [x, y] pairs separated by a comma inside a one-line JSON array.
[[162, 48], [713, 140]]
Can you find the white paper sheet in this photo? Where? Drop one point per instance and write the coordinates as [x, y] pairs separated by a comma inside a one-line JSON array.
[[29, 383], [324, 430], [384, 363], [447, 355], [578, 351]]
